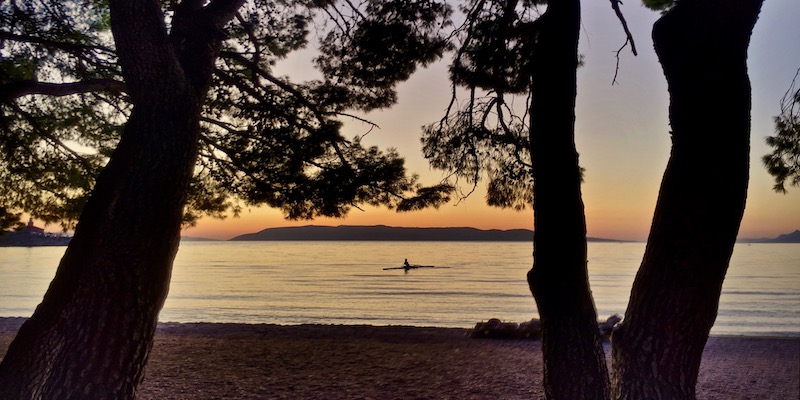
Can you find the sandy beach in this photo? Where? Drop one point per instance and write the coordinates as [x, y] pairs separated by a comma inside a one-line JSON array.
[[235, 361]]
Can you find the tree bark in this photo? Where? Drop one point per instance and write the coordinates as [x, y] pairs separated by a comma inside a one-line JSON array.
[[91, 335], [574, 363], [702, 46]]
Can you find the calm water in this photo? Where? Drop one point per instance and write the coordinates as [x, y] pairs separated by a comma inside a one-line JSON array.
[[344, 283]]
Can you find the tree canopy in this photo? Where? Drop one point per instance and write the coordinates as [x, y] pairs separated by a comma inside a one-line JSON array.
[[265, 139], [784, 161], [486, 134]]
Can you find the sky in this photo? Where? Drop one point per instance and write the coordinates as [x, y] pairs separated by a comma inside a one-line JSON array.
[[621, 134]]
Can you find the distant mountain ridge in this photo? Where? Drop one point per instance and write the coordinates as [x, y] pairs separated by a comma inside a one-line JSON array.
[[793, 237], [391, 233]]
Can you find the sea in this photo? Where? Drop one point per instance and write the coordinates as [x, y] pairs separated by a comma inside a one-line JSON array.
[[312, 282]]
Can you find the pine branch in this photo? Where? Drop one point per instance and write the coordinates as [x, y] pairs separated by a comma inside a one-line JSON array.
[[628, 36], [16, 89], [73, 48]]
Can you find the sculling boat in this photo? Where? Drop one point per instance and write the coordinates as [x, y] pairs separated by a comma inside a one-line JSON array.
[[408, 267]]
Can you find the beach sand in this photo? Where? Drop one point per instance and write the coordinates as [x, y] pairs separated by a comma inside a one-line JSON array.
[[235, 361]]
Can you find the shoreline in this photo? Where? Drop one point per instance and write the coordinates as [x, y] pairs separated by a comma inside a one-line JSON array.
[[13, 323], [256, 361]]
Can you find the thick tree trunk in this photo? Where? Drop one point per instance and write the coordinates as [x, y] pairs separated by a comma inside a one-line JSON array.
[[91, 335], [574, 363], [702, 46]]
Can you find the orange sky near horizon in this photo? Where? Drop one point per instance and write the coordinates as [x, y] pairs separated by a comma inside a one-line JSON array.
[[621, 134], [618, 223]]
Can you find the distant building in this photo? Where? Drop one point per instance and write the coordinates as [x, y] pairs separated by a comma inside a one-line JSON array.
[[31, 236], [33, 230]]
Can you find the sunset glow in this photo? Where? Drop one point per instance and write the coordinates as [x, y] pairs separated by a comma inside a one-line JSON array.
[[621, 135]]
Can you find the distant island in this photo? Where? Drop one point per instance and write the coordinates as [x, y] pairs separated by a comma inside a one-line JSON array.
[[394, 234], [793, 237]]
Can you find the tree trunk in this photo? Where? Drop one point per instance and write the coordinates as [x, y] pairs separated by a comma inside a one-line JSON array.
[[702, 46], [91, 335], [574, 363]]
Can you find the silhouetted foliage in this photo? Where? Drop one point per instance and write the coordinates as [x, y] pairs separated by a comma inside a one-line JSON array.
[[658, 5], [389, 41], [9, 221], [265, 139], [50, 47], [484, 132], [495, 46], [486, 135], [784, 161]]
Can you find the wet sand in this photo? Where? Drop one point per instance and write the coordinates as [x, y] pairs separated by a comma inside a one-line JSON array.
[[236, 361]]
